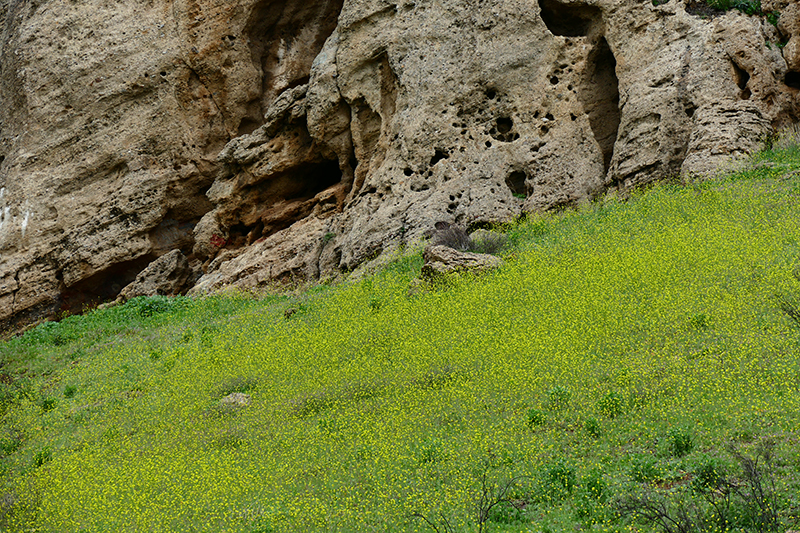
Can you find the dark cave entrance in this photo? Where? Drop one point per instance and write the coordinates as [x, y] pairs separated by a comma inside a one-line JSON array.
[[102, 286], [569, 20], [283, 200]]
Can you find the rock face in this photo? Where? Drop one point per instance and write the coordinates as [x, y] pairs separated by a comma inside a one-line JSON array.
[[284, 139], [169, 275]]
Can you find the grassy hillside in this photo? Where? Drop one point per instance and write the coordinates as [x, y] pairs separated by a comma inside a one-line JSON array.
[[632, 364]]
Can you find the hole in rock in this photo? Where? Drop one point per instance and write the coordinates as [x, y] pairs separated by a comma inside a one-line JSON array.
[[568, 20], [308, 181], [504, 124], [516, 182], [408, 171], [247, 126], [792, 79], [741, 77], [102, 286], [599, 93], [491, 94], [438, 156], [554, 80]]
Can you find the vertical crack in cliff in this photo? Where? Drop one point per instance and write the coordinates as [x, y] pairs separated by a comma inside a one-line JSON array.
[[371, 129], [211, 97], [599, 94]]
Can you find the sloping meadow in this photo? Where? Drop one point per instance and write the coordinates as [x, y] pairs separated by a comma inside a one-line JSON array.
[[623, 350]]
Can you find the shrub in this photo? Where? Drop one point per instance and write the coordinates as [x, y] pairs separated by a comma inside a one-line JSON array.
[[451, 236], [644, 468], [610, 405], [558, 397], [680, 442], [561, 479], [43, 456], [70, 390], [48, 404], [536, 417], [592, 427]]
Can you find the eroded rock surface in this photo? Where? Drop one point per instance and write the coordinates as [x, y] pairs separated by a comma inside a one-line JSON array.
[[284, 139], [169, 275], [445, 260]]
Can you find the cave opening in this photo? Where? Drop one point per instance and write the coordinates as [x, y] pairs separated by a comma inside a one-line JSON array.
[[311, 180], [102, 286], [599, 93], [281, 201], [569, 20], [516, 182]]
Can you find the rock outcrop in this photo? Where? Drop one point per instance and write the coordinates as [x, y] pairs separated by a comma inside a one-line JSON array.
[[445, 260], [169, 275], [284, 139]]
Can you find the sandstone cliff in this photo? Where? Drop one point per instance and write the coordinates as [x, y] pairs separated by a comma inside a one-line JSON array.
[[284, 139]]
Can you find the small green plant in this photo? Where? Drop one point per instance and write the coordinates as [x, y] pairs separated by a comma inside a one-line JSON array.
[[48, 404], [700, 321], [375, 302], [70, 391], [536, 417], [328, 237], [561, 480], [558, 397], [10, 444], [611, 404], [644, 468], [43, 456], [680, 442], [592, 427], [590, 506], [772, 18], [430, 451], [152, 306]]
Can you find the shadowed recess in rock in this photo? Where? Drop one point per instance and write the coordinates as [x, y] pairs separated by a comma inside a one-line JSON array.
[[792, 79], [599, 93], [516, 182], [572, 20], [102, 286], [741, 77]]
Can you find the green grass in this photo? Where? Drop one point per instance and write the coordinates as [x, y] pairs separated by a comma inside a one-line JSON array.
[[626, 351]]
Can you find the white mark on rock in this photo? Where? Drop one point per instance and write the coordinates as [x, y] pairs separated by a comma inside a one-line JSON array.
[[25, 220]]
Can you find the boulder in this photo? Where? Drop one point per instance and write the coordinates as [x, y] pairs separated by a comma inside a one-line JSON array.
[[444, 260], [169, 275], [236, 399]]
